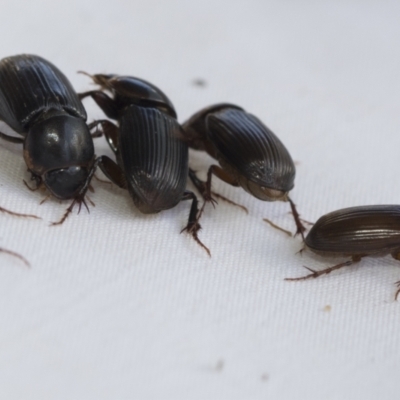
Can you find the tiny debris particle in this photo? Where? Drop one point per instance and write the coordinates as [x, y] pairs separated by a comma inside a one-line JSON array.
[[327, 308], [220, 365], [199, 82], [264, 377]]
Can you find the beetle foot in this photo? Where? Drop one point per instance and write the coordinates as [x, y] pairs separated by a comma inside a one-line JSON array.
[[79, 201], [192, 228], [12, 253]]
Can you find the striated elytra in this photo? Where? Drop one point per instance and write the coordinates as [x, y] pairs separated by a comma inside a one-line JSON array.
[[151, 159], [356, 232], [249, 153]]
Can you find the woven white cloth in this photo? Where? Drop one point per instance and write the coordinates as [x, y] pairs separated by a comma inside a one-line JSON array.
[[119, 305]]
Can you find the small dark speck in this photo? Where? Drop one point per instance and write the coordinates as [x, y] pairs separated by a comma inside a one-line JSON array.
[[220, 365], [199, 82], [264, 377]]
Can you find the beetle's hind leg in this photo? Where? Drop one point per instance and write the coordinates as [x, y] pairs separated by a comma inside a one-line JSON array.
[[193, 225], [316, 274], [205, 187]]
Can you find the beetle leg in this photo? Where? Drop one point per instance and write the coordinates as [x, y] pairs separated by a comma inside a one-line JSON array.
[[109, 130], [300, 227], [105, 102], [4, 210], [12, 253], [316, 274], [11, 139], [113, 171], [277, 227], [205, 187], [193, 225], [80, 198]]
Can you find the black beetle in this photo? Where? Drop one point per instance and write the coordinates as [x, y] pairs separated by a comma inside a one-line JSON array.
[[152, 160], [39, 103], [250, 155], [356, 232]]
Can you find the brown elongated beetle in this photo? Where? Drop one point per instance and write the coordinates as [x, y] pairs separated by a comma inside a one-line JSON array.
[[356, 232], [39, 103], [250, 155], [152, 160]]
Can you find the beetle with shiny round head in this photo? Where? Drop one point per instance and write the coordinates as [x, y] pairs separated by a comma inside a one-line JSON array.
[[151, 159], [39, 103], [356, 232], [249, 153]]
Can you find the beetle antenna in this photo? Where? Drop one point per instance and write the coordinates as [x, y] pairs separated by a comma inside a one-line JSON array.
[[277, 227], [4, 210], [12, 253]]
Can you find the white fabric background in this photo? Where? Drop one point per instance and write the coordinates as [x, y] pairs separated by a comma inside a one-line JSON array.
[[118, 305]]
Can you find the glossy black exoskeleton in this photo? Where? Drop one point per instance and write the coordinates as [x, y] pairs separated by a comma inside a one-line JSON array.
[[356, 232], [250, 154], [39, 103], [152, 160]]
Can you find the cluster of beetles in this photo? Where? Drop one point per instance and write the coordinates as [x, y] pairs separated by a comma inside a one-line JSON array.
[[151, 156]]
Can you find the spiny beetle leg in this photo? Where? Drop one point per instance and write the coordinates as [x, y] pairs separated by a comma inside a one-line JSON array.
[[80, 198], [12, 253], [105, 102], [316, 274], [300, 227], [193, 225]]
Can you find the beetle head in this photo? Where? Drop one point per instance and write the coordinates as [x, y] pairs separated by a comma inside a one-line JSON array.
[[66, 183], [264, 193], [59, 148]]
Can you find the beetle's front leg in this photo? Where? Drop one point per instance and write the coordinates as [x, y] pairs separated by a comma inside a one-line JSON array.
[[80, 197], [193, 225], [300, 227], [109, 130], [205, 187], [105, 102]]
